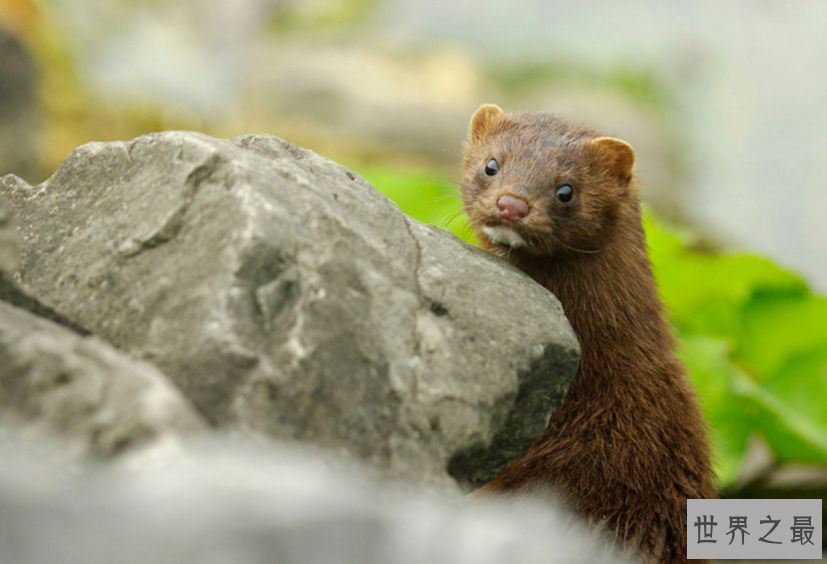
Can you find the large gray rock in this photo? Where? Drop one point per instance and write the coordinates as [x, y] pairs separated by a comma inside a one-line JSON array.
[[227, 504], [282, 293], [99, 400]]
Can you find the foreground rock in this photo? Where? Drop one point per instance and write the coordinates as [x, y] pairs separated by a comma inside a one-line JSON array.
[[282, 293], [99, 400], [225, 504], [9, 241]]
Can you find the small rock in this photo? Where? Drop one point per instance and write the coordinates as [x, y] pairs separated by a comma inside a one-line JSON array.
[[101, 401], [228, 503]]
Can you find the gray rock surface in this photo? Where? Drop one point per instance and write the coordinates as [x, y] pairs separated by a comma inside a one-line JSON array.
[[227, 504], [10, 291], [98, 399], [9, 241], [284, 294]]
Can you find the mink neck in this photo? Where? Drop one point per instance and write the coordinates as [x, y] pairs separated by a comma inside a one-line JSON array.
[[609, 297]]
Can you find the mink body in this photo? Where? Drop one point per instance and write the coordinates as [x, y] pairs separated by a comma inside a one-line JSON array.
[[628, 446]]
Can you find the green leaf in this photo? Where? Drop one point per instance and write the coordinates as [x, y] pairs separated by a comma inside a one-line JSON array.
[[731, 420], [706, 293], [778, 328], [793, 434], [425, 197], [755, 341], [664, 242]]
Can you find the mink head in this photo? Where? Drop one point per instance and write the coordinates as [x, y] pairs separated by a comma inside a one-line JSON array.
[[537, 184]]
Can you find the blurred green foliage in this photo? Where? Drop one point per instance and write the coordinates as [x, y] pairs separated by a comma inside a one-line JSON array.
[[639, 85], [303, 17], [752, 334], [754, 338], [424, 195]]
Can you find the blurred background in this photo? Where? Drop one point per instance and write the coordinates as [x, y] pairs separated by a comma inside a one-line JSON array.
[[723, 102]]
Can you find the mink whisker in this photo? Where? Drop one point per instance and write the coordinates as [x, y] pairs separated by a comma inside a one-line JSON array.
[[562, 244], [467, 232], [452, 153], [445, 197], [464, 185], [453, 217], [453, 209], [559, 218]]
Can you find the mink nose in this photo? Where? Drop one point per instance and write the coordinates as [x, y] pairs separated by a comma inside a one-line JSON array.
[[512, 208]]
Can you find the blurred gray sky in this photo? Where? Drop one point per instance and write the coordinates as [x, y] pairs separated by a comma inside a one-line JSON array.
[[751, 84], [747, 76]]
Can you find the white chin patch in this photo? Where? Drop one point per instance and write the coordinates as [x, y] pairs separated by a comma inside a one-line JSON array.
[[504, 236]]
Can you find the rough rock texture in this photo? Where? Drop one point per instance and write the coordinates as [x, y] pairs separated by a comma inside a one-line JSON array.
[[12, 293], [9, 241], [224, 504], [98, 399], [282, 293], [9, 262]]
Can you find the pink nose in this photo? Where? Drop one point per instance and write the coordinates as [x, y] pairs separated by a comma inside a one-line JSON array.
[[512, 208]]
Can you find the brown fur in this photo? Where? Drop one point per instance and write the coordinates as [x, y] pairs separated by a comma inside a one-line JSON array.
[[628, 446]]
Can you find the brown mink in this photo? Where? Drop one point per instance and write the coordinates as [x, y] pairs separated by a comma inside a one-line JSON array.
[[628, 446]]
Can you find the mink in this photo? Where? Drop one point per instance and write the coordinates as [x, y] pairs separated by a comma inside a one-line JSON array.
[[628, 446]]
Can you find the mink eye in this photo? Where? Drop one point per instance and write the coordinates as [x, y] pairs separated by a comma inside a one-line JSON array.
[[492, 167], [565, 193]]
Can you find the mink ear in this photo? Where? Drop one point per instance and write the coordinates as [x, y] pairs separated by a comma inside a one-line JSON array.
[[484, 120], [615, 155]]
